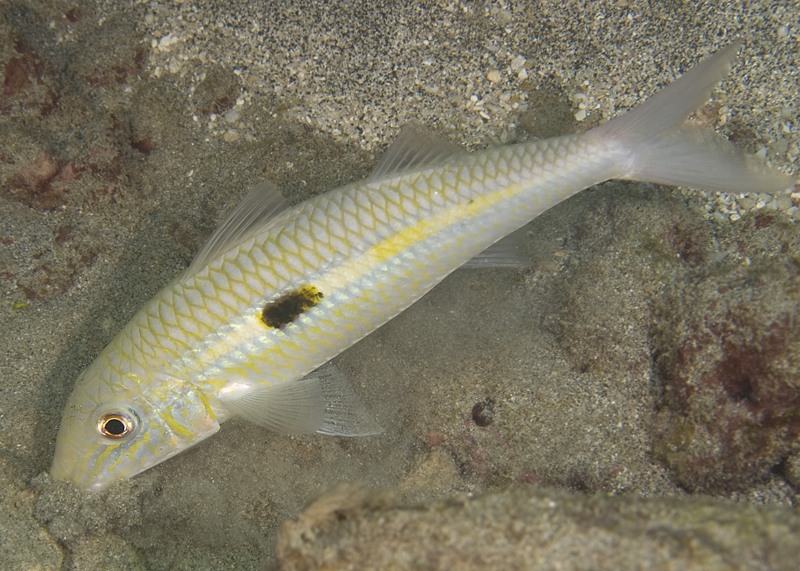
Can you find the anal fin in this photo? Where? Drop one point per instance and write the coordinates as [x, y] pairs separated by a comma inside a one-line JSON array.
[[508, 252]]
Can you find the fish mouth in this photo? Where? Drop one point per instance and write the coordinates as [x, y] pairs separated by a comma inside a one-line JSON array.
[[71, 459], [64, 460], [68, 465], [65, 466]]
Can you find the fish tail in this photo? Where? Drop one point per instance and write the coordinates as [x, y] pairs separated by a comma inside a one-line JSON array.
[[661, 146]]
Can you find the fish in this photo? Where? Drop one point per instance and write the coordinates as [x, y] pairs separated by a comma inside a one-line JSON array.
[[250, 327]]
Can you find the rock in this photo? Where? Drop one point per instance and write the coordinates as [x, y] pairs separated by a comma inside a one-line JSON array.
[[536, 528], [727, 341]]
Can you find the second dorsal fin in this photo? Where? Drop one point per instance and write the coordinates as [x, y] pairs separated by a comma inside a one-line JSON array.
[[414, 149]]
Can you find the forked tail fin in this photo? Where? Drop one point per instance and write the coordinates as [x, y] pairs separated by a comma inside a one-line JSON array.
[[663, 147]]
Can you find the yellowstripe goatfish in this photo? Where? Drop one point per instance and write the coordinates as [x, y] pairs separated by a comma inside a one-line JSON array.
[[278, 291]]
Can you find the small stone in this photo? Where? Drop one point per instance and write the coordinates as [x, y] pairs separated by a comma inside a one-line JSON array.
[[230, 136], [232, 116], [493, 76], [504, 17], [166, 42], [175, 65], [580, 115], [746, 202], [483, 412], [784, 202]]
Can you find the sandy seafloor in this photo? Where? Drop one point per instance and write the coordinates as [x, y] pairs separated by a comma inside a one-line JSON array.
[[128, 130]]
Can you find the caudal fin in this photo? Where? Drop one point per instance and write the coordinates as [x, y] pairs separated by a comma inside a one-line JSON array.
[[663, 147]]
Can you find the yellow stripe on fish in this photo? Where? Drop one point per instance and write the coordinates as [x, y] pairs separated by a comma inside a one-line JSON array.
[[276, 292]]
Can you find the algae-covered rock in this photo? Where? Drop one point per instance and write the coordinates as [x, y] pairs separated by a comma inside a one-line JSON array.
[[728, 348], [536, 528]]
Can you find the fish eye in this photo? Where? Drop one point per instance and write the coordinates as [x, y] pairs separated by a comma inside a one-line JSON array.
[[117, 425]]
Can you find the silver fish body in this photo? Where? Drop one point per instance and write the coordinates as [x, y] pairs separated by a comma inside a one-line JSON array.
[[277, 292]]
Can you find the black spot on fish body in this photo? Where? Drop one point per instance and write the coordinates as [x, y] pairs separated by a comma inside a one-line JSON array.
[[290, 306]]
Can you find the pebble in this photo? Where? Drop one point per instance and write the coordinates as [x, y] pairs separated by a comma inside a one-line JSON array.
[[747, 202], [493, 76], [517, 63], [175, 65], [784, 202], [232, 116]]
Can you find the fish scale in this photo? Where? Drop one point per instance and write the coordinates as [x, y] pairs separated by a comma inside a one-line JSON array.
[[387, 258], [378, 248], [277, 292]]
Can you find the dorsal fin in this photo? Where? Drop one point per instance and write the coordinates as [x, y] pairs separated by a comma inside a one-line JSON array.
[[254, 213], [414, 148]]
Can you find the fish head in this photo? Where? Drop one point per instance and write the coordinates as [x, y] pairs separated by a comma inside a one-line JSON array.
[[117, 425]]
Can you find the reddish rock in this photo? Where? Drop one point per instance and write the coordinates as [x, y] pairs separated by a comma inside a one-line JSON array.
[[64, 235], [145, 145], [130, 66], [728, 351], [31, 183], [44, 183], [28, 84], [74, 15]]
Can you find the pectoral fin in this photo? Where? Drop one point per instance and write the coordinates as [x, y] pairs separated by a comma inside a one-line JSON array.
[[322, 401]]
